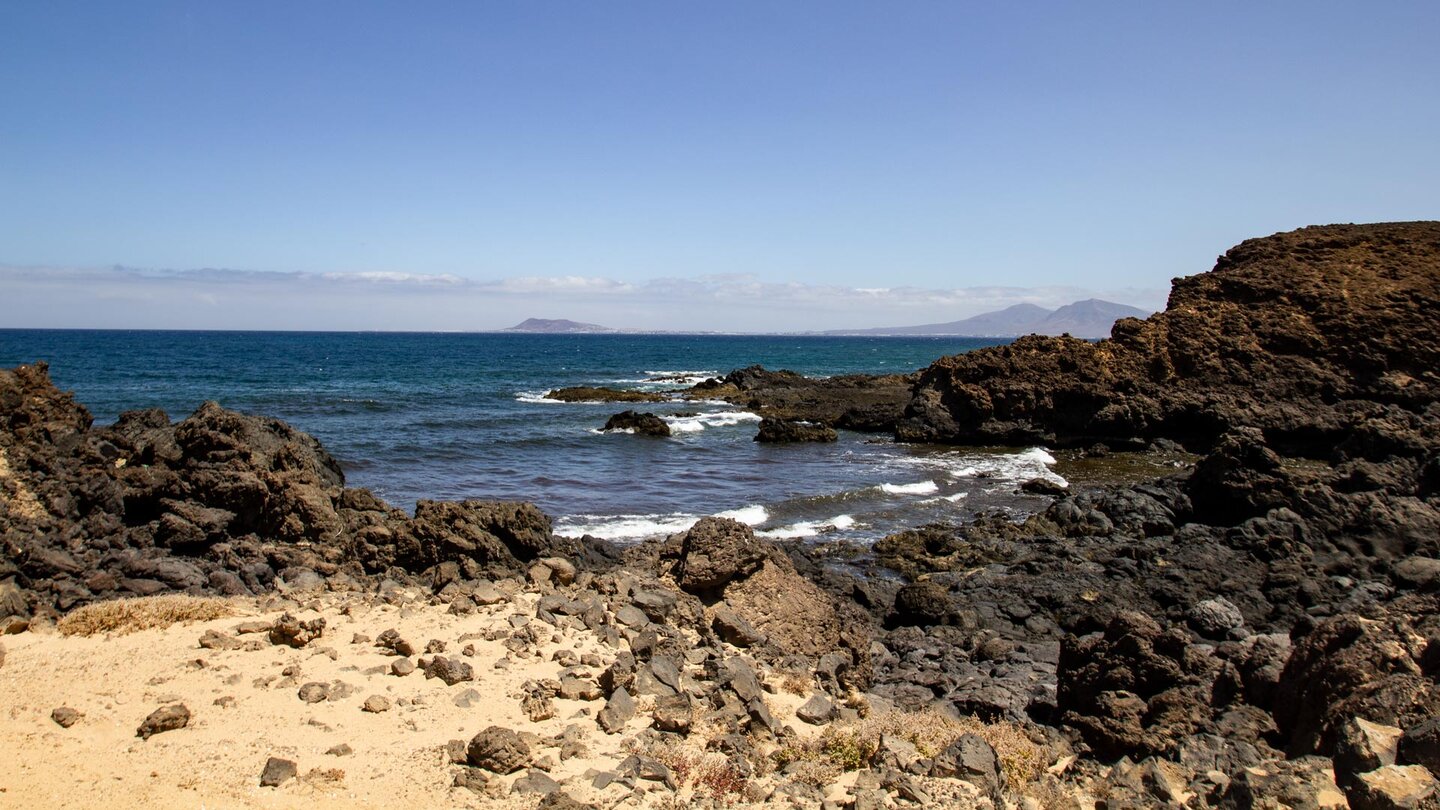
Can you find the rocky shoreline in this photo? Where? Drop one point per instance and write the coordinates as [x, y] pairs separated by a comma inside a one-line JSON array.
[[1257, 630]]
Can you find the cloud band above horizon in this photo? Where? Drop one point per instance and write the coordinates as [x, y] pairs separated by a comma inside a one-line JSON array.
[[211, 298]]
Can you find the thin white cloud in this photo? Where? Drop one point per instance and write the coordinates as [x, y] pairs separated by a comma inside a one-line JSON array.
[[42, 297], [586, 285], [386, 277]]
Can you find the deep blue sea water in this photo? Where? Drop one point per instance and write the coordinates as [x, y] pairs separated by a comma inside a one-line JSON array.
[[451, 416]]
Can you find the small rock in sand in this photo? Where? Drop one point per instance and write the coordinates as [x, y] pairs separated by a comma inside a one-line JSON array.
[[402, 667], [277, 771], [167, 718], [65, 717], [451, 672], [376, 704], [498, 749], [391, 640], [486, 593], [314, 692], [292, 632]]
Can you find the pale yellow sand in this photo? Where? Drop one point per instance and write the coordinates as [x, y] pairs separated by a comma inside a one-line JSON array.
[[215, 762]]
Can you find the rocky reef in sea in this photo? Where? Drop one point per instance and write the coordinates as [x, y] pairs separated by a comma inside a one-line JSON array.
[[1260, 629]]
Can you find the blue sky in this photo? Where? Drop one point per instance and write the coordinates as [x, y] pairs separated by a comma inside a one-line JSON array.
[[736, 165]]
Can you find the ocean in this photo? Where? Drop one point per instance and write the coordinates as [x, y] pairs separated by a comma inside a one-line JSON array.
[[459, 415]]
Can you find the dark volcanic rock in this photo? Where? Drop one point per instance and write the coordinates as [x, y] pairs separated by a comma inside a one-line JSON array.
[[1137, 689], [617, 711], [1351, 666], [759, 585], [220, 502], [780, 430], [1240, 479], [496, 534], [643, 424], [1420, 745], [922, 603], [447, 670]]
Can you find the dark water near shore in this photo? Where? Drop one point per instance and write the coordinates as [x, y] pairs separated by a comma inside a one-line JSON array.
[[433, 415]]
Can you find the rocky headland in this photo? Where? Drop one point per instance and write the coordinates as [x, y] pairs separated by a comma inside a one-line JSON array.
[[1259, 629]]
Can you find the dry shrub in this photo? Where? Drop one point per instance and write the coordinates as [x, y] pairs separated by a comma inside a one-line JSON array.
[[851, 746], [324, 777], [122, 616], [705, 773]]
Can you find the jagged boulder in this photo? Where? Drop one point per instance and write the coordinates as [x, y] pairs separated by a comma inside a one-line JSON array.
[[499, 536], [1137, 689], [711, 553], [1351, 666]]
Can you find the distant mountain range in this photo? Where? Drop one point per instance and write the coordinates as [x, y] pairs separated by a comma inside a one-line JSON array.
[[1091, 318], [557, 327]]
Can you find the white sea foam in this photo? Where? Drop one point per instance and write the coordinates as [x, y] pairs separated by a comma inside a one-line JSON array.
[[603, 432], [1034, 454], [704, 375], [752, 515], [537, 398], [641, 527], [921, 488], [1005, 468], [699, 422], [624, 527], [957, 497], [810, 528]]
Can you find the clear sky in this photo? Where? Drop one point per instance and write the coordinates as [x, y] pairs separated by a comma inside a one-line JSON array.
[[724, 165]]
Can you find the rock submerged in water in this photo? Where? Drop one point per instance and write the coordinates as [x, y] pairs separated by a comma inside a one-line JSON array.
[[777, 431], [641, 424], [861, 402], [589, 394]]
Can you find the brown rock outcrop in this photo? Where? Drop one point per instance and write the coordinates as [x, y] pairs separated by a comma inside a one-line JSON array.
[[721, 561], [1304, 335]]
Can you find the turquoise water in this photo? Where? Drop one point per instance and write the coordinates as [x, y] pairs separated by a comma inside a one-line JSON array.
[[433, 415]]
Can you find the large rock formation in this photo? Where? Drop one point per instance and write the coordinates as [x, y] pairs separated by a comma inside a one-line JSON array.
[[220, 502], [1316, 337]]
